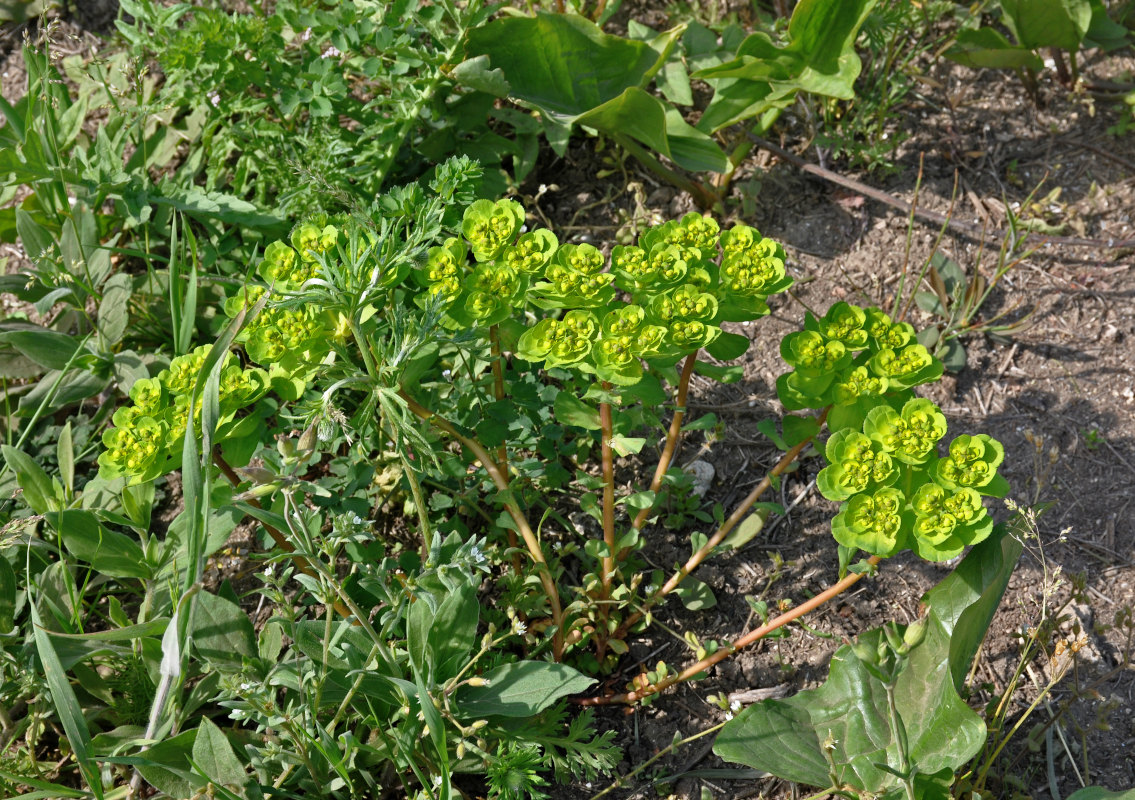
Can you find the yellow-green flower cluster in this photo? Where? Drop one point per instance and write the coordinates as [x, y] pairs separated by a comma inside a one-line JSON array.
[[935, 502], [275, 334], [848, 359], [145, 441]]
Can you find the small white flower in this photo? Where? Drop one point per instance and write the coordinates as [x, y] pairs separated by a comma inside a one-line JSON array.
[[270, 571], [735, 705], [728, 715], [519, 628], [476, 554], [305, 35], [246, 687], [331, 52], [214, 98]]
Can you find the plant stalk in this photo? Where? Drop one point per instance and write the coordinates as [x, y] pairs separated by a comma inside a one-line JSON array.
[[514, 511], [502, 451], [281, 541], [607, 563], [734, 519], [744, 641], [672, 437]]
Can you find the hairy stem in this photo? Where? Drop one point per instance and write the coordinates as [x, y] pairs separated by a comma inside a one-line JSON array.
[[727, 526], [513, 508], [672, 436], [744, 641]]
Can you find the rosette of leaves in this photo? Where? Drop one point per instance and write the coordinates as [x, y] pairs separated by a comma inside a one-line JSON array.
[[146, 439], [850, 359]]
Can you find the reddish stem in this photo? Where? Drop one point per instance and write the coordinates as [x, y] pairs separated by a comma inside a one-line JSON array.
[[746, 640], [673, 436]]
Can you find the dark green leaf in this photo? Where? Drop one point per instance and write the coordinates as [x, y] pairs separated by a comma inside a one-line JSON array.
[[695, 595], [109, 552], [222, 632], [45, 347], [728, 346], [39, 492], [521, 689], [114, 309], [570, 410], [214, 756]]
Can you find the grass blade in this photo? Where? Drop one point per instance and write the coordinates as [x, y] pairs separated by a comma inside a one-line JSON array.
[[66, 705]]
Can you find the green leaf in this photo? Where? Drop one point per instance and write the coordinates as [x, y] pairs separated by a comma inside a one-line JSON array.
[[850, 711], [67, 707], [65, 456], [749, 528], [114, 310], [39, 492], [580, 75], [695, 595], [441, 635], [8, 590], [1048, 23], [109, 552], [214, 756], [988, 48], [728, 346], [222, 632], [720, 374], [572, 411], [1100, 793], [819, 58], [166, 767], [521, 689], [799, 429], [45, 347], [476, 74]]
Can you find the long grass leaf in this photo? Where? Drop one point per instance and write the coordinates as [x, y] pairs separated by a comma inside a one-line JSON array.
[[66, 704]]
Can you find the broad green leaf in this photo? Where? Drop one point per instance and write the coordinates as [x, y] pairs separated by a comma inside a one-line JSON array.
[[988, 48], [441, 642], [819, 58], [109, 552], [570, 410], [214, 756], [850, 712], [166, 767], [728, 346], [222, 632], [695, 595], [580, 75], [45, 347], [1100, 793], [748, 529], [114, 311], [477, 74], [39, 492], [1048, 23], [520, 689]]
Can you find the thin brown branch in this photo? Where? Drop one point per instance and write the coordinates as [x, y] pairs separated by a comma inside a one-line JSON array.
[[672, 437], [726, 527], [744, 641]]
